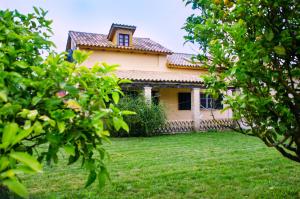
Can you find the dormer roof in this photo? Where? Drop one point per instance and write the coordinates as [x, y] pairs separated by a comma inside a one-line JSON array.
[[115, 27]]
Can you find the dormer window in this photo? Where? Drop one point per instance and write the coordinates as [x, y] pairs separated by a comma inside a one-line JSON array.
[[121, 35], [123, 40]]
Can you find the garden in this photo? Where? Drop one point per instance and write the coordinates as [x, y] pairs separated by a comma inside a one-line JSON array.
[[69, 131], [195, 165]]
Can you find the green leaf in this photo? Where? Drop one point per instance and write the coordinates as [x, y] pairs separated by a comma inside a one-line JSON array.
[[22, 169], [102, 175], [47, 119], [280, 50], [70, 149], [8, 174], [128, 113], [27, 159], [3, 96], [4, 162], [102, 134], [24, 113], [117, 123], [37, 127], [269, 35], [80, 56], [35, 100], [125, 126], [27, 124], [21, 64], [92, 177], [61, 126], [9, 133], [125, 81], [115, 97], [16, 187], [72, 104], [105, 133], [32, 115], [23, 134], [36, 10]]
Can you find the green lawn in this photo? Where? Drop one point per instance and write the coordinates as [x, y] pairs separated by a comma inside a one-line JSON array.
[[201, 165]]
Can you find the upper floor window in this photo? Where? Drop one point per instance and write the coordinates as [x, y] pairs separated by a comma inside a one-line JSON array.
[[123, 40]]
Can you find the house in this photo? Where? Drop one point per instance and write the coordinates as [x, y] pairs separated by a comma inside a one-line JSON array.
[[172, 78]]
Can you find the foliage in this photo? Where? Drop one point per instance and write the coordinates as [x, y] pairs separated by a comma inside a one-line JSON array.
[[50, 101], [147, 119], [254, 46]]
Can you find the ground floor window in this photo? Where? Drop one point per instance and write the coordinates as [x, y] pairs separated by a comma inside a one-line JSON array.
[[184, 101], [155, 97], [206, 101]]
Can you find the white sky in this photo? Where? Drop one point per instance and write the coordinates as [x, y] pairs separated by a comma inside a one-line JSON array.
[[160, 20]]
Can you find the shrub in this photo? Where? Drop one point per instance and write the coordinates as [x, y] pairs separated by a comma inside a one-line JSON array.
[[146, 121]]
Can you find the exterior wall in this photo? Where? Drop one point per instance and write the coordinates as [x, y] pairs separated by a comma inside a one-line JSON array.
[[136, 61], [169, 99], [127, 61]]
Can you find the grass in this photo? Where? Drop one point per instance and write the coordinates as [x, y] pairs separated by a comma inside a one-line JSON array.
[[199, 165]]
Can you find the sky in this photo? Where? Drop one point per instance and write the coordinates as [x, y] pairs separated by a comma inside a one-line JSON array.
[[160, 20]]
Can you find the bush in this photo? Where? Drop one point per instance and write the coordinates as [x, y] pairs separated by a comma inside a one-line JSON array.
[[146, 121]]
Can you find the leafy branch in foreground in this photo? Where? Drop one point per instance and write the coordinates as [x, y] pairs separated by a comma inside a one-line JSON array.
[[50, 102], [253, 46]]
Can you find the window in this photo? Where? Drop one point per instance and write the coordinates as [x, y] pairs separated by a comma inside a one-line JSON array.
[[218, 103], [184, 101], [123, 40], [70, 55], [206, 101], [155, 97]]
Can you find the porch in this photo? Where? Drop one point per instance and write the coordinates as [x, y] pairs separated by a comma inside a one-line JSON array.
[[187, 107]]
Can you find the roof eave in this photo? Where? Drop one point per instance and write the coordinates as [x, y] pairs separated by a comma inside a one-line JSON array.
[[122, 49], [195, 67]]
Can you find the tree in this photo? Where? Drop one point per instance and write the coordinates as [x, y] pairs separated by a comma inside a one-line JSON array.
[[253, 46], [45, 100]]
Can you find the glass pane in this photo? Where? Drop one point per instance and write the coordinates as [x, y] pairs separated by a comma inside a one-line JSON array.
[[184, 101], [203, 103], [121, 39], [202, 95], [209, 103], [218, 103]]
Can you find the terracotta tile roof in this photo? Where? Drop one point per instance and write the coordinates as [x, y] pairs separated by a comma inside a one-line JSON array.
[[100, 40], [182, 60], [158, 76]]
